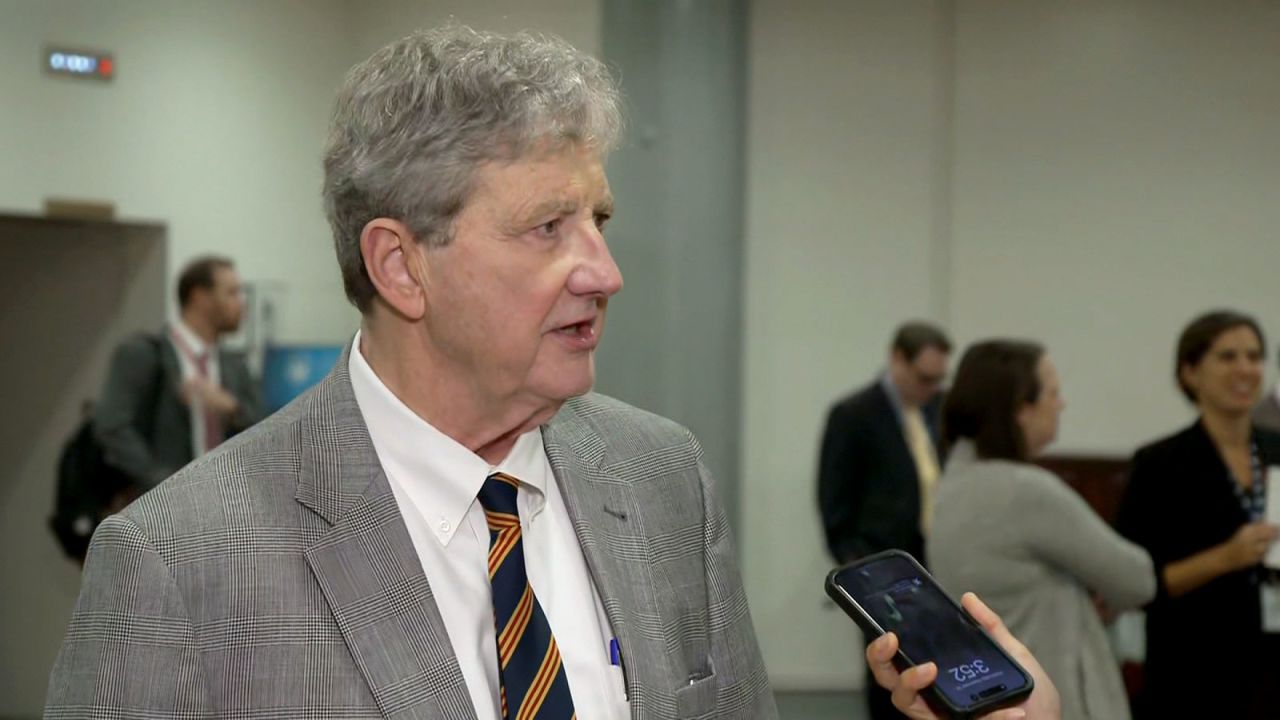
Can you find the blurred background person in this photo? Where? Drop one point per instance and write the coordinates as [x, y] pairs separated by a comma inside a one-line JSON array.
[[1023, 540], [1196, 501], [879, 460], [1266, 414], [171, 397]]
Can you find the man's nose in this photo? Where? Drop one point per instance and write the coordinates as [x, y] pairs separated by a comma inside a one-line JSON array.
[[596, 273]]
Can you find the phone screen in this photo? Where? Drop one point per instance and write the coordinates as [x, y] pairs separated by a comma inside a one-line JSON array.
[[904, 600]]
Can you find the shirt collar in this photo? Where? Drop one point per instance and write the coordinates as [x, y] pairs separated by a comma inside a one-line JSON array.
[[441, 476], [895, 400], [188, 337]]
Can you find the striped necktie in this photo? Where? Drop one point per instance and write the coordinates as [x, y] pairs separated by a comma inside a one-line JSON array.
[[533, 680]]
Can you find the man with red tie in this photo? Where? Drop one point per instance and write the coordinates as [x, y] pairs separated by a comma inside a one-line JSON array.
[[172, 397]]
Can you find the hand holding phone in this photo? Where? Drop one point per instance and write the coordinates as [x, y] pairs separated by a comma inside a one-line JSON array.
[[1042, 704], [926, 636]]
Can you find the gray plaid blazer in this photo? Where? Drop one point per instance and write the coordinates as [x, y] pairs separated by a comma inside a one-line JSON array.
[[275, 578]]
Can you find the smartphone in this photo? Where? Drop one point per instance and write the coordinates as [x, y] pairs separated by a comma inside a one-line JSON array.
[[891, 592]]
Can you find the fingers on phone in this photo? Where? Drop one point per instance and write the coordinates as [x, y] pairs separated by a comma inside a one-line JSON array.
[[880, 659], [906, 694], [985, 616]]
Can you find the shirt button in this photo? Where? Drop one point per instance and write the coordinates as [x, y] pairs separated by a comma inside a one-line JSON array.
[[444, 526]]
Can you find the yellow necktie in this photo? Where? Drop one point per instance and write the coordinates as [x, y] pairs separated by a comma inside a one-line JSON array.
[[926, 462]]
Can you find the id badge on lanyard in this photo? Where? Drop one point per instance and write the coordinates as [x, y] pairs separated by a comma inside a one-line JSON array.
[[1269, 592]]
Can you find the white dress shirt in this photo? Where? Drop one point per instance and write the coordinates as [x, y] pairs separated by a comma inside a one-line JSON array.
[[435, 481], [189, 347]]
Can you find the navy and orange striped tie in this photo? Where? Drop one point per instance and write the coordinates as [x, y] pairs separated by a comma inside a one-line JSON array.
[[533, 678]]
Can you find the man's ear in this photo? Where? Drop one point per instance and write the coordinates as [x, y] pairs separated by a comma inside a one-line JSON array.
[[390, 252]]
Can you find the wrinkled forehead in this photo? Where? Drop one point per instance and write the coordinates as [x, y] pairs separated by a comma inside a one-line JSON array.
[[549, 172]]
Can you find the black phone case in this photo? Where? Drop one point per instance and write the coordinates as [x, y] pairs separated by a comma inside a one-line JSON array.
[[871, 631]]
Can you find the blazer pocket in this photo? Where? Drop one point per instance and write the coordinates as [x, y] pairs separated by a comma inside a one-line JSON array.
[[697, 699]]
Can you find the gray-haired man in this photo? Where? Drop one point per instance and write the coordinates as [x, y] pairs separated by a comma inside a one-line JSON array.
[[450, 525]]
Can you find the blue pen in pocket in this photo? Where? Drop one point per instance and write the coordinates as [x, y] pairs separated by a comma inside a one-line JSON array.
[[615, 656], [615, 659]]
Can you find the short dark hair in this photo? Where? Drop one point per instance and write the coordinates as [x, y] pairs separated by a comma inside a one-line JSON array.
[[995, 378], [913, 337], [200, 273], [1199, 335]]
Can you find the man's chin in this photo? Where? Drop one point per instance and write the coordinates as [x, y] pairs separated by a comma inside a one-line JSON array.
[[564, 391]]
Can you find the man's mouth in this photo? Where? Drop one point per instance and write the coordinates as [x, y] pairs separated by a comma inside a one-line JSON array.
[[584, 328], [581, 335]]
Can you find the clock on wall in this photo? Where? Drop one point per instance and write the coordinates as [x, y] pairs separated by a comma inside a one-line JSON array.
[[79, 63]]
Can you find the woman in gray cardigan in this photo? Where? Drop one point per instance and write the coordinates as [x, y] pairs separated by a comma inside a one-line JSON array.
[[1020, 538]]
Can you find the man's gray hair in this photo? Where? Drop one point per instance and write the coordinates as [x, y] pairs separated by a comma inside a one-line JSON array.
[[413, 122]]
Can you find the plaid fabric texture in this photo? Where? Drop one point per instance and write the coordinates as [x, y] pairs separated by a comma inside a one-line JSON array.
[[274, 578]]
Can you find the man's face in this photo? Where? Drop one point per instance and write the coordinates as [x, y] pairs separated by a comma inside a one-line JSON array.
[[516, 301], [226, 300], [918, 380]]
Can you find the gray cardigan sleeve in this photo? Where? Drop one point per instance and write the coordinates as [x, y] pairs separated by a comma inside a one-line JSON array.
[[1064, 531]]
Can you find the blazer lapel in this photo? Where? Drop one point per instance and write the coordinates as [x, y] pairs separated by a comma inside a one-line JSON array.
[[604, 514], [367, 567]]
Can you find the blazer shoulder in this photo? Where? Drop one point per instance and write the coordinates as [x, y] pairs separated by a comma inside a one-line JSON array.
[[626, 430], [867, 401], [141, 345], [261, 462], [1171, 448]]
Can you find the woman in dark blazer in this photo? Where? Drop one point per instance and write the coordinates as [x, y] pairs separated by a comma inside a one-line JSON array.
[[1196, 502]]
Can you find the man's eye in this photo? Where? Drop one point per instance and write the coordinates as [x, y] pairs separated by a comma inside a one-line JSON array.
[[549, 228], [602, 219]]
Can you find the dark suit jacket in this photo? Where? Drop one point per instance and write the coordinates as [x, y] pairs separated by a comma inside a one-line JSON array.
[[868, 488], [1179, 502], [140, 420], [275, 578]]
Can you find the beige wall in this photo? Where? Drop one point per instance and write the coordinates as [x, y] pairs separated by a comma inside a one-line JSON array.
[[1089, 173], [213, 125], [1118, 171], [61, 311], [843, 170], [374, 24]]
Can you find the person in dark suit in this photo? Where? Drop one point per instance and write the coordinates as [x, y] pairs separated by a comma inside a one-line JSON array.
[[879, 460], [1196, 501], [171, 397]]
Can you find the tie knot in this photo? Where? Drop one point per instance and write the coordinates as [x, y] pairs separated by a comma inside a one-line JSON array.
[[498, 494]]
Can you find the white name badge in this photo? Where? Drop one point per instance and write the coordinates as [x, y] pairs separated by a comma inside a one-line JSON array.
[[1270, 607], [1272, 558]]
